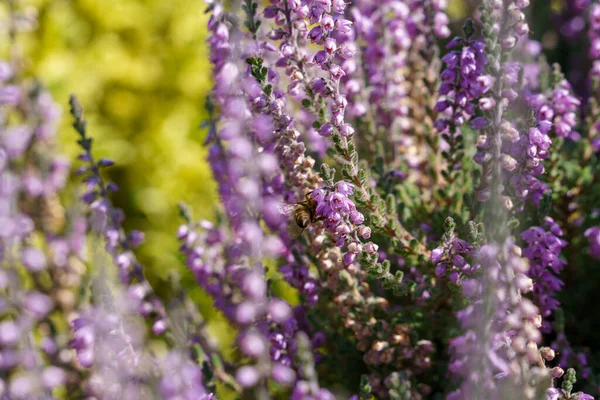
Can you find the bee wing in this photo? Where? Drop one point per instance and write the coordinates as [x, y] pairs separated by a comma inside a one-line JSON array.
[[286, 208], [294, 230]]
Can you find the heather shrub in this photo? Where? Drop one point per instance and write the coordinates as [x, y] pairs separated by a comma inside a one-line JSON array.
[[407, 209]]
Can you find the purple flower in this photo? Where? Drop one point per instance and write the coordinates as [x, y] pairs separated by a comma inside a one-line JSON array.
[[247, 376], [336, 209], [33, 259], [449, 259], [463, 84], [565, 106], [479, 123], [496, 345], [594, 37], [315, 34], [181, 379], [593, 236], [543, 251]]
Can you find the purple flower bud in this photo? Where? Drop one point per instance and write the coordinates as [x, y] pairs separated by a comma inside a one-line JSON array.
[[436, 255], [349, 258], [440, 269], [441, 105], [49, 346], [279, 310], [159, 327], [6, 71], [10, 95], [33, 259], [315, 34], [135, 238], [509, 42], [357, 218], [330, 45], [271, 11], [275, 34], [343, 25], [486, 103], [53, 377], [456, 41], [38, 304], [510, 94], [454, 277], [479, 123], [245, 313], [344, 188], [364, 232], [484, 83], [339, 6], [326, 130], [348, 50], [371, 248], [336, 72], [104, 162], [557, 372], [327, 22], [9, 333], [247, 376], [252, 344], [320, 58], [283, 375], [346, 130], [470, 287]]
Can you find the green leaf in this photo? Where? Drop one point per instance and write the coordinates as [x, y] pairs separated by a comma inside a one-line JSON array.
[[391, 204], [325, 172], [362, 176], [513, 223], [354, 158], [347, 172]]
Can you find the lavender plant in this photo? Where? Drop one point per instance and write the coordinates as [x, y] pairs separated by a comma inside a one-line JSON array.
[[402, 215]]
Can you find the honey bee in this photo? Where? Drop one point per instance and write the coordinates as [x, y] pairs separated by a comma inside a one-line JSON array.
[[303, 212]]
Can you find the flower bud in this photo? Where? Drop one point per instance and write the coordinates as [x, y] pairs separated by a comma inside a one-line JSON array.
[[547, 353], [371, 248], [557, 372]]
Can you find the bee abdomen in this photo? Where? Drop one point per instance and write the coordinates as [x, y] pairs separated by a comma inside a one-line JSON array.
[[302, 217]]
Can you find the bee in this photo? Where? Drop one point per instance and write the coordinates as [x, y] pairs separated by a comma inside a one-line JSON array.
[[531, 118], [303, 212]]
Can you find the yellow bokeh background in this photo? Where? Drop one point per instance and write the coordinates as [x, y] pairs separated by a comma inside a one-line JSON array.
[[141, 70]]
